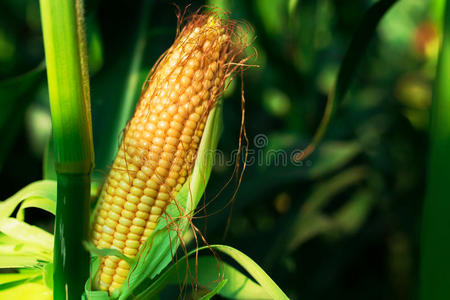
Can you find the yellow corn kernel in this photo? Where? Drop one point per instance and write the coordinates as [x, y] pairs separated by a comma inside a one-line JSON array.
[[160, 144]]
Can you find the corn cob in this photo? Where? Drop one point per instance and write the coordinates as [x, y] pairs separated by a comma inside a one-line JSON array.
[[161, 141]]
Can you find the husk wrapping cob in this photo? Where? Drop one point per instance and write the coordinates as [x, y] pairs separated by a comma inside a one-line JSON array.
[[161, 142]]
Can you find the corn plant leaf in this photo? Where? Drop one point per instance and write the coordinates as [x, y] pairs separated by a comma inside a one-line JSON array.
[[238, 285], [215, 291], [212, 272], [260, 276], [41, 193], [89, 294], [11, 277], [29, 235], [337, 154], [12, 248], [207, 272], [350, 64], [46, 204], [47, 274], [435, 236], [353, 213], [307, 227], [29, 291], [331, 156], [19, 261], [324, 192], [108, 252], [310, 221], [11, 280], [14, 99]]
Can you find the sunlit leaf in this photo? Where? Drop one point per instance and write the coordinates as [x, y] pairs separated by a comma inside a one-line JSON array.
[[27, 291], [332, 156], [254, 270], [10, 277], [41, 193], [210, 270], [27, 234], [46, 204], [209, 273], [353, 213], [17, 261], [215, 291]]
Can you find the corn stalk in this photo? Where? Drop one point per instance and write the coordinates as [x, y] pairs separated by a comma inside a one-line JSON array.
[[68, 83]]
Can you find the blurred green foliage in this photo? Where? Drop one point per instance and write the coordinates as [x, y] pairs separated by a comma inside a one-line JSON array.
[[342, 224]]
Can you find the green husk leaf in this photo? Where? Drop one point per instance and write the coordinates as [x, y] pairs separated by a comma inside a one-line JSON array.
[[211, 270], [156, 252], [94, 295], [254, 270], [215, 291], [42, 189], [238, 285], [108, 252]]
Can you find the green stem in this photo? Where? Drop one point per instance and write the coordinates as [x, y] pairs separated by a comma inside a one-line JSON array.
[[68, 83], [71, 260], [435, 239]]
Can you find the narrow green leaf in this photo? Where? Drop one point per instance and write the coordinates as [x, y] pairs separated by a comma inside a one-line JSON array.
[[26, 233], [23, 245], [42, 203], [325, 191], [333, 155], [207, 272], [354, 55], [13, 247], [47, 274], [10, 277], [254, 270], [108, 252], [18, 261], [352, 214], [42, 189], [15, 96], [215, 291], [29, 291], [21, 279], [435, 237], [238, 286]]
